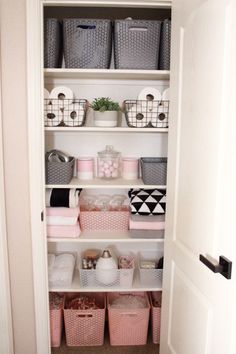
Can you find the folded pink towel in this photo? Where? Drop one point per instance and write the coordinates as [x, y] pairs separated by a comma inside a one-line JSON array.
[[71, 231], [149, 222], [61, 211]]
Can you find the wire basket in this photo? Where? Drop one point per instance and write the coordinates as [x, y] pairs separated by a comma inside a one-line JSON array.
[[154, 170], [85, 327], [52, 43], [87, 43], [137, 44], [64, 112], [147, 114]]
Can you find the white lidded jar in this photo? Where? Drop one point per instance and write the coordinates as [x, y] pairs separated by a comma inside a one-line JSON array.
[[106, 269], [108, 163]]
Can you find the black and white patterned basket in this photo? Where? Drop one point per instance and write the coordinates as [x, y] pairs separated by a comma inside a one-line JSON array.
[[87, 43]]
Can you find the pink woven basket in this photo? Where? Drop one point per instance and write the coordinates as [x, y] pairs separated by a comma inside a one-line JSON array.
[[56, 323], [85, 327], [155, 316], [104, 220], [128, 326]]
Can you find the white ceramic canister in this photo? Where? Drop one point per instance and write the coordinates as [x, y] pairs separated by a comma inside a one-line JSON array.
[[105, 119], [106, 269], [85, 168], [130, 167]]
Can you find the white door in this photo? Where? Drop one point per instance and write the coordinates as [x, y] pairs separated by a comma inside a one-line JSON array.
[[199, 306]]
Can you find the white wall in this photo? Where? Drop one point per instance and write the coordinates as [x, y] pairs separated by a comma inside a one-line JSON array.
[[14, 101]]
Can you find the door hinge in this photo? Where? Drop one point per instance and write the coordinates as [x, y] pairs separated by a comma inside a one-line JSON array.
[[42, 215]]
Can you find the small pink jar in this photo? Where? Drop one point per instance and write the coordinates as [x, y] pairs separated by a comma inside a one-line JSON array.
[[85, 168], [130, 168]]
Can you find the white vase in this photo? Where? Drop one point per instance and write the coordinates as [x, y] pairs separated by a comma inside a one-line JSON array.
[[105, 119], [106, 269]]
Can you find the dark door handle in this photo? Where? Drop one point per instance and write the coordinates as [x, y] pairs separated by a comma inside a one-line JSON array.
[[224, 267]]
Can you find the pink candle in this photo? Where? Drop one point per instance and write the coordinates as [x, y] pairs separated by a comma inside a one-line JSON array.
[[85, 168], [130, 168]]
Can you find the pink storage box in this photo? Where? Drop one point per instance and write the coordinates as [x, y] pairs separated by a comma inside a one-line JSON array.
[[128, 326], [156, 315], [85, 327], [56, 323], [104, 220]]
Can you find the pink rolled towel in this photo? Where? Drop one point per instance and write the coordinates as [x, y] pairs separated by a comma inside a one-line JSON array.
[[62, 216]]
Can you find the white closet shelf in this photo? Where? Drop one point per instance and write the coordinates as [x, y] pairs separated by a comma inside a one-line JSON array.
[[106, 130], [102, 183], [63, 73], [105, 236], [76, 287]]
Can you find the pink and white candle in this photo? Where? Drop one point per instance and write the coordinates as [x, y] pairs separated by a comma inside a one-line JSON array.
[[130, 168], [85, 168]]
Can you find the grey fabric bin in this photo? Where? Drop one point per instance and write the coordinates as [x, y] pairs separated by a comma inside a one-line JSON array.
[[59, 172], [164, 60], [52, 43], [154, 170], [87, 43], [136, 44]]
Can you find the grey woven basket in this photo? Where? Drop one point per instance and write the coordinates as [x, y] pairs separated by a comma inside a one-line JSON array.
[[59, 172], [136, 44], [87, 43], [154, 170], [52, 43], [164, 60]]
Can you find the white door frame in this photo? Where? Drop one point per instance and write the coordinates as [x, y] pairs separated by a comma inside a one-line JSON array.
[[34, 9], [34, 17], [6, 331]]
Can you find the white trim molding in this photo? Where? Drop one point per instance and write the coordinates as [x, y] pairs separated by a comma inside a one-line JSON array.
[[6, 329], [36, 171]]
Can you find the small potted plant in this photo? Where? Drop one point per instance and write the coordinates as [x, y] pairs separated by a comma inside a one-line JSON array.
[[105, 112]]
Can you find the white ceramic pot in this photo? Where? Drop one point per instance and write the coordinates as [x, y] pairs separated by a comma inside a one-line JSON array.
[[105, 119]]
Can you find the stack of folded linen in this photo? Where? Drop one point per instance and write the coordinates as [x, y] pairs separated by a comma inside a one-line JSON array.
[[60, 269], [62, 213], [147, 226]]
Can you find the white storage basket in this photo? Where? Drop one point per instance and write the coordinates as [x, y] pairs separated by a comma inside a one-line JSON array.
[[150, 277]]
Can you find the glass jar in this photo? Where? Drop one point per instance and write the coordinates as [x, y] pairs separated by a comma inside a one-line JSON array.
[[108, 163]]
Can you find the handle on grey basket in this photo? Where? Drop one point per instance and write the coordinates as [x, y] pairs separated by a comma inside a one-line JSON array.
[[140, 29], [86, 27]]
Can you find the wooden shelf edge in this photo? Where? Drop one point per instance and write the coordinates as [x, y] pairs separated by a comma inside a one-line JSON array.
[[107, 74], [97, 183]]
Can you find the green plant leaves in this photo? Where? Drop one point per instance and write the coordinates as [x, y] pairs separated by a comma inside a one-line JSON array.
[[103, 104]]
